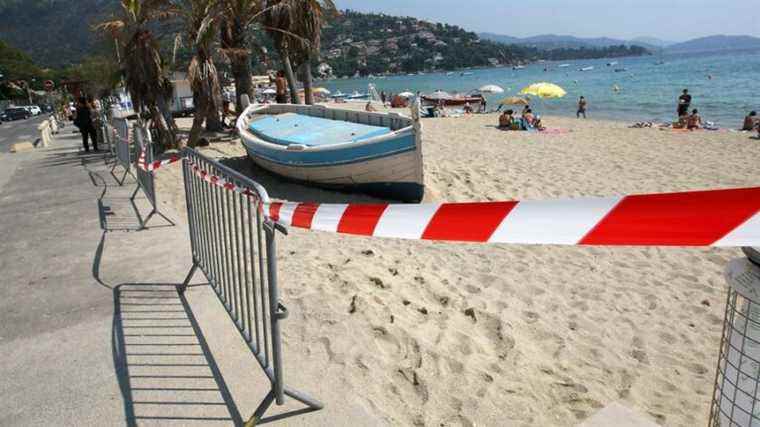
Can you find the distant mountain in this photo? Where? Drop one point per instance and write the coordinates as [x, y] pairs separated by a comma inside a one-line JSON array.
[[652, 41], [554, 41], [717, 43]]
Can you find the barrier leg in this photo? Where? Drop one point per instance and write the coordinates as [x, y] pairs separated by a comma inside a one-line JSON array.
[[183, 287], [259, 413], [157, 212]]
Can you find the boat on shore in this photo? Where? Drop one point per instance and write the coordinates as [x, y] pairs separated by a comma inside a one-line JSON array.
[[379, 154], [586, 68]]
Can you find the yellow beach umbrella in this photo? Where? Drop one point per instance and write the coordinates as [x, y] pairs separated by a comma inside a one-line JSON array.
[[514, 100], [544, 90], [321, 90]]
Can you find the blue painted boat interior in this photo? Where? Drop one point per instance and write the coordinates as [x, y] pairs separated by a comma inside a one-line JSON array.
[[291, 128]]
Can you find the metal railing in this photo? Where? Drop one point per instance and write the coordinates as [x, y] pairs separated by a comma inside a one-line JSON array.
[[123, 148], [234, 246], [736, 401], [146, 179]]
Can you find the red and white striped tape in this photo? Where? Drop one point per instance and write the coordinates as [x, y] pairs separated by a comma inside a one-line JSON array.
[[150, 167], [699, 218], [219, 181], [726, 218]]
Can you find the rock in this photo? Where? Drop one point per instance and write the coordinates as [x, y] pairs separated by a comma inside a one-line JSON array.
[[423, 310], [706, 303], [352, 307], [470, 312], [377, 282], [368, 252]]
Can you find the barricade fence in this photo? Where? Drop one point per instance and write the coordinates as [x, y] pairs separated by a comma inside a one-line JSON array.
[[233, 244], [123, 147], [145, 177]]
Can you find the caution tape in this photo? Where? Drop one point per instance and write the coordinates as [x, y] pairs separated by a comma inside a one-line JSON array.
[[720, 218], [150, 167], [219, 181], [699, 218]]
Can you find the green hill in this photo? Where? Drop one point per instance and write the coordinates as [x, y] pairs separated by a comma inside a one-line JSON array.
[[57, 33], [54, 33]]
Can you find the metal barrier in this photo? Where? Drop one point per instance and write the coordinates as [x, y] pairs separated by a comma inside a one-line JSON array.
[[233, 244], [736, 401], [123, 148], [145, 178], [105, 135]]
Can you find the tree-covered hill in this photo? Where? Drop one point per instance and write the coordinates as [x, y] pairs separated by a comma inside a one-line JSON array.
[[55, 33], [58, 33], [377, 43]]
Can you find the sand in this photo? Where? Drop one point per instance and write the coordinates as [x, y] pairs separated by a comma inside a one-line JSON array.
[[433, 334]]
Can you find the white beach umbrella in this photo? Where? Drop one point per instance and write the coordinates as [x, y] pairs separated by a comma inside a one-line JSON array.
[[269, 91], [491, 89], [406, 94]]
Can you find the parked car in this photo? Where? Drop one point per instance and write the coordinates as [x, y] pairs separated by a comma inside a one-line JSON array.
[[36, 111], [15, 113]]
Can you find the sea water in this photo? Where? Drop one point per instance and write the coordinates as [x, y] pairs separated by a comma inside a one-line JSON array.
[[725, 86]]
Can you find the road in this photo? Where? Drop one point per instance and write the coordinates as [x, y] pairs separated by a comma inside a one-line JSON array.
[[20, 131]]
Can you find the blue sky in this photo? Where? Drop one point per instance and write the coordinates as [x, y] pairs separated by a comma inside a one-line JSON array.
[[676, 20]]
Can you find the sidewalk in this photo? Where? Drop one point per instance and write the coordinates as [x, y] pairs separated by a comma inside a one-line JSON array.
[[92, 330]]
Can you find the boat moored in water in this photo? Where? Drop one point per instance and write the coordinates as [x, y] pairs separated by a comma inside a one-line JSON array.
[[379, 154]]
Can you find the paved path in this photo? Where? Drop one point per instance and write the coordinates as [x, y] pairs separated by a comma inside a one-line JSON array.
[[92, 330], [21, 131]]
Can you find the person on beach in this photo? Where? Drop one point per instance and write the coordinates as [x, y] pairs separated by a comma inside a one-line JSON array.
[[684, 102], [83, 121], [695, 121], [280, 86], [467, 108], [369, 107], [581, 107], [751, 121], [505, 120], [382, 97]]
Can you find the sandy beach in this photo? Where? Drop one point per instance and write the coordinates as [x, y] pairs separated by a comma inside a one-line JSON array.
[[435, 334]]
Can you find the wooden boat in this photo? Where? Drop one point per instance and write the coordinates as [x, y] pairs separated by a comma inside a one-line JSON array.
[[451, 102], [374, 153]]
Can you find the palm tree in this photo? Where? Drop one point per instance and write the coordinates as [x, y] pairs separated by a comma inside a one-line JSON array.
[[145, 72], [278, 23], [307, 19], [238, 18], [200, 19]]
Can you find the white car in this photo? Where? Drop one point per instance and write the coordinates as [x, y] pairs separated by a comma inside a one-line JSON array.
[[35, 110]]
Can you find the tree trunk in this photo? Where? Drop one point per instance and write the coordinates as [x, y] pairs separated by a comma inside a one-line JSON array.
[[290, 77], [198, 118], [213, 120], [241, 64], [307, 81], [167, 129], [241, 70]]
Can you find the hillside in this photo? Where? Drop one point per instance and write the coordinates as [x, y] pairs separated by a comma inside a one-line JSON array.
[[717, 43], [54, 33], [57, 33], [374, 43]]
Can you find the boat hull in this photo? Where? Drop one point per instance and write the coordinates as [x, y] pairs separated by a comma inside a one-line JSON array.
[[389, 167], [395, 177]]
